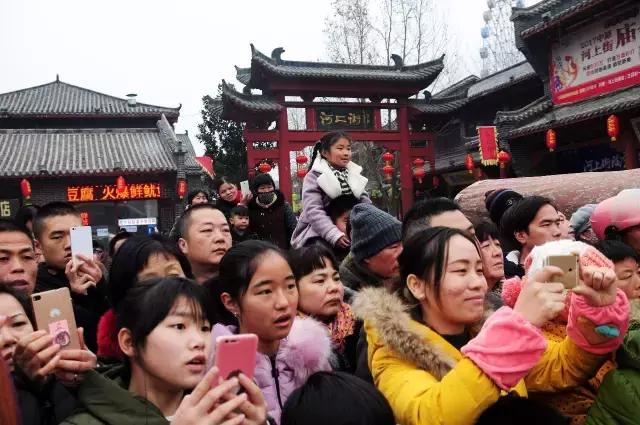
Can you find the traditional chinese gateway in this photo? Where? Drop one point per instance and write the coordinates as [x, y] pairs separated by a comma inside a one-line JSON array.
[[118, 160]]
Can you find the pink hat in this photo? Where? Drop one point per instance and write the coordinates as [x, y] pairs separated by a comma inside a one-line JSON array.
[[620, 212]]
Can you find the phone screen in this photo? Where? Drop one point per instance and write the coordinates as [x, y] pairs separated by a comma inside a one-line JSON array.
[[81, 242]]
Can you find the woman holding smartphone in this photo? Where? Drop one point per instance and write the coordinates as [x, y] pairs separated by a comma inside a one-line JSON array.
[[164, 333], [432, 363], [256, 293], [44, 375]]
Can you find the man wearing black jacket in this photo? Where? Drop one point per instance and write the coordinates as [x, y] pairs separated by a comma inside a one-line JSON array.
[[51, 228]]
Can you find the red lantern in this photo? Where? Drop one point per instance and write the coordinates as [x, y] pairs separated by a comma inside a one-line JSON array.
[[301, 172], [264, 167], [418, 162], [613, 127], [435, 181], [301, 159], [388, 171], [182, 188], [387, 157], [551, 140], [25, 188], [419, 174], [121, 185], [468, 162], [503, 158]]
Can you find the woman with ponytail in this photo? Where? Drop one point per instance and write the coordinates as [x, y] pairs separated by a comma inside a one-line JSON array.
[[332, 175]]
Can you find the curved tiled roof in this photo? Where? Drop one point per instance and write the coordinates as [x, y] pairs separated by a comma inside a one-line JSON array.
[[82, 152], [441, 105], [62, 99], [547, 14], [540, 118], [422, 74], [233, 102], [503, 78]]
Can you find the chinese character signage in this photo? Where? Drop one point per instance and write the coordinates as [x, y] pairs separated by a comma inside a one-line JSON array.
[[591, 159], [8, 208], [337, 118], [109, 192], [598, 58]]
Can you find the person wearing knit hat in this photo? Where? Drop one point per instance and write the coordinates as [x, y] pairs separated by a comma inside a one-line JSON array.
[[498, 201], [581, 224], [271, 218], [375, 247]]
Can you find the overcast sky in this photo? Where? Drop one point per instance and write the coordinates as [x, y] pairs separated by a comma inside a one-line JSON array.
[[170, 52]]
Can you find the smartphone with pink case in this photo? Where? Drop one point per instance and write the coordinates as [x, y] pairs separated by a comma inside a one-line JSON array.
[[235, 354]]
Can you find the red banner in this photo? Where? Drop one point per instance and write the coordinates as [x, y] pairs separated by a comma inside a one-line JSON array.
[[487, 137]]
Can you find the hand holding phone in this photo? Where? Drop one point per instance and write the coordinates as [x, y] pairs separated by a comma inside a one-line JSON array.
[[235, 354], [570, 267], [54, 313], [81, 242]]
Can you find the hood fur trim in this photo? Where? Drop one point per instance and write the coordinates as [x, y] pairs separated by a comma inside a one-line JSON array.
[[389, 316], [328, 182]]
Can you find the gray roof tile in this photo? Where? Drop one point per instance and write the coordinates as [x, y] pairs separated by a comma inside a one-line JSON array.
[[500, 79], [423, 73], [530, 20], [541, 120], [60, 99], [82, 152]]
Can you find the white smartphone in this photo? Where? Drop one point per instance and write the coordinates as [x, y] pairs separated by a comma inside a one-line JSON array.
[[244, 187], [81, 242]]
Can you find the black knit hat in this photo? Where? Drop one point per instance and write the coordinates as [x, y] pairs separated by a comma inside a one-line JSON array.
[[259, 180], [372, 230], [498, 201]]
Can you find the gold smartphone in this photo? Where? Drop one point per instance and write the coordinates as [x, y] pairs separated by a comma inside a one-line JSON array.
[[570, 267], [54, 313]]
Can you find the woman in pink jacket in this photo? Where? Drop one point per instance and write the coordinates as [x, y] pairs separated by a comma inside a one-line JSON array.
[[332, 175], [256, 293]]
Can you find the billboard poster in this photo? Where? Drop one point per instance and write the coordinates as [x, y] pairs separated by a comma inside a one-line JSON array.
[[598, 58]]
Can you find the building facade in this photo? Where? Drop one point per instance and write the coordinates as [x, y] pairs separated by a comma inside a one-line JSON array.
[[117, 160]]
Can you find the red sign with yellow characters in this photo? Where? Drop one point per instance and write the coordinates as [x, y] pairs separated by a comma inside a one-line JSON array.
[[109, 192]]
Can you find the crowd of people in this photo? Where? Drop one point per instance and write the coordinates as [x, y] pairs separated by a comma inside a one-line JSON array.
[[360, 318]]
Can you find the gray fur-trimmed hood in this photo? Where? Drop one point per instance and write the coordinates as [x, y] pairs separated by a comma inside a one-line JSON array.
[[390, 317]]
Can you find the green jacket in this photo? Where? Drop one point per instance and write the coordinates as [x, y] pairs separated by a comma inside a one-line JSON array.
[[619, 395], [105, 399]]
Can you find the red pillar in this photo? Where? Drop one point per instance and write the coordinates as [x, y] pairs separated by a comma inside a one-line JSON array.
[[284, 168], [251, 159], [630, 153], [406, 181]]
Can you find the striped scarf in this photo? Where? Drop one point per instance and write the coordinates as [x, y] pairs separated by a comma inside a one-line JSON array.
[[342, 176]]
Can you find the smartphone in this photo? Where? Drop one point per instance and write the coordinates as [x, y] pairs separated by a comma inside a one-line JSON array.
[[54, 313], [244, 187], [570, 267], [81, 242], [235, 354]]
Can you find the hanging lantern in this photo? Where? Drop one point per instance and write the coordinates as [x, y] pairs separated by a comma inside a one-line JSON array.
[[503, 158], [182, 188], [435, 181], [301, 159], [613, 127], [388, 171], [468, 162], [387, 157], [551, 140], [419, 174], [121, 184], [25, 188], [264, 167], [418, 169], [301, 173]]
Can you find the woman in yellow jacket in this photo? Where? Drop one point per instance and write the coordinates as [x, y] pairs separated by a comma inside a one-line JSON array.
[[422, 352]]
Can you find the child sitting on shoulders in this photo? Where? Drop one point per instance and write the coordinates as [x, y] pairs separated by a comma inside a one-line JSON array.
[[239, 220], [332, 175]]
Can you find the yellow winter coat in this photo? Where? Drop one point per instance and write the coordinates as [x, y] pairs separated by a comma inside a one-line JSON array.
[[428, 381]]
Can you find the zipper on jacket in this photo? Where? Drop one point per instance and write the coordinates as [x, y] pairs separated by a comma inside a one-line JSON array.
[[275, 374]]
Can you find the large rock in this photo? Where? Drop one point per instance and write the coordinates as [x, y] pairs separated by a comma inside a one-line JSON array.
[[568, 191]]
